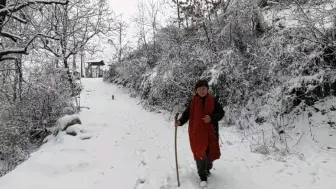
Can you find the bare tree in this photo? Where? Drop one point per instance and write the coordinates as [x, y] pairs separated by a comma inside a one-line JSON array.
[[75, 24], [153, 9], [118, 41], [141, 22], [17, 37], [11, 11]]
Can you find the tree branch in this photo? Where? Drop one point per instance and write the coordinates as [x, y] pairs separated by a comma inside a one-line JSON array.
[[14, 8], [10, 51], [10, 35], [21, 50], [7, 58], [22, 20]]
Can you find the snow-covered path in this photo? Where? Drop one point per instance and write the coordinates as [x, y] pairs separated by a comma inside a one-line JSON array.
[[133, 149]]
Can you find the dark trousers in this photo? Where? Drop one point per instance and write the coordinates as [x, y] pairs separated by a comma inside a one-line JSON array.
[[203, 167]]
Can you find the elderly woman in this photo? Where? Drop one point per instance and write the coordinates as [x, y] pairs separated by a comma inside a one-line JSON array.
[[203, 114]]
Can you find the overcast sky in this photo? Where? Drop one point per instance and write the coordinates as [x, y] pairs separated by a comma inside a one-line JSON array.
[[127, 8]]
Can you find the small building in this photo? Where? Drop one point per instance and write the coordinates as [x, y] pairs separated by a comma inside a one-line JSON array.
[[94, 72]]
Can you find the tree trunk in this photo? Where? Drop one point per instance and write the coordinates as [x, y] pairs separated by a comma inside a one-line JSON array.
[[66, 65], [74, 66], [212, 40], [15, 84], [82, 64], [179, 28], [2, 14], [120, 43], [206, 33], [64, 45], [20, 78]]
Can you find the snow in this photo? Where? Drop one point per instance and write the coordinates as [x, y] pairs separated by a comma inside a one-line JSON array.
[[75, 129], [319, 16], [215, 73], [95, 60], [62, 122], [297, 82], [131, 148]]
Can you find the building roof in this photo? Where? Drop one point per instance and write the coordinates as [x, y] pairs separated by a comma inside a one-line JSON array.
[[96, 62]]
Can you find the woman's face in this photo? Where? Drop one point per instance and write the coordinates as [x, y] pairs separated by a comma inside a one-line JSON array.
[[202, 91]]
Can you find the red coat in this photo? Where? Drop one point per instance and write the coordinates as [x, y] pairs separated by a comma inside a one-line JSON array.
[[202, 135]]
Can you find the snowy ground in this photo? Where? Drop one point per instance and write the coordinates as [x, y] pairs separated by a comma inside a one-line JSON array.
[[134, 149]]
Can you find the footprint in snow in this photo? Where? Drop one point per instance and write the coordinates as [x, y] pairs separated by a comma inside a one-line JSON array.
[[140, 151], [73, 150], [313, 173], [139, 183], [167, 184], [280, 171], [78, 167], [143, 163]]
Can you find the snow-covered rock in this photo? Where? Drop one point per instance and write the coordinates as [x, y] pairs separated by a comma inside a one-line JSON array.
[[68, 120], [85, 136], [48, 138], [74, 130]]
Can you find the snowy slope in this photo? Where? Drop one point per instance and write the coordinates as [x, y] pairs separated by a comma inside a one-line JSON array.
[[134, 149]]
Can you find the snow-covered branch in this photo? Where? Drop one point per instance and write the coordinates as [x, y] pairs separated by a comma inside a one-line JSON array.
[[22, 50], [7, 58], [10, 35], [23, 20], [10, 69], [10, 51], [47, 36], [17, 7]]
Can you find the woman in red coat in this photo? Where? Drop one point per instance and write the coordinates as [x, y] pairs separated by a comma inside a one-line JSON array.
[[203, 114]]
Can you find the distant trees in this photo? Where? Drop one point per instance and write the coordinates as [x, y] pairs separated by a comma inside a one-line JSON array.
[[14, 18], [74, 25], [37, 40]]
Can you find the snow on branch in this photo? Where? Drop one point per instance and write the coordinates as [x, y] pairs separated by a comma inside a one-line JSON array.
[[22, 50], [10, 35], [23, 20], [47, 36], [10, 51], [7, 58], [17, 7]]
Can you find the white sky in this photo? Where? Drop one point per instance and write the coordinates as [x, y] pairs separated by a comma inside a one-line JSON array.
[[128, 9], [124, 7]]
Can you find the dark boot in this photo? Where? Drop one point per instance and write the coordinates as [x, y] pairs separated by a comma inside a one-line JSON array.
[[209, 164], [201, 169]]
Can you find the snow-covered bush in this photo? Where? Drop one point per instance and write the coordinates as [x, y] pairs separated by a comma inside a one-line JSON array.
[[262, 64], [41, 100], [66, 121]]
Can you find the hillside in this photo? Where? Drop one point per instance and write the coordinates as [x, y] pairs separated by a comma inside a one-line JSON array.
[[265, 62]]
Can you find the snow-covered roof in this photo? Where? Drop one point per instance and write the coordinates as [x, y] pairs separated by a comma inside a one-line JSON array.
[[96, 62]]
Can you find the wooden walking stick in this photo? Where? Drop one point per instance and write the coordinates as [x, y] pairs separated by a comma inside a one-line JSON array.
[[177, 173]]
